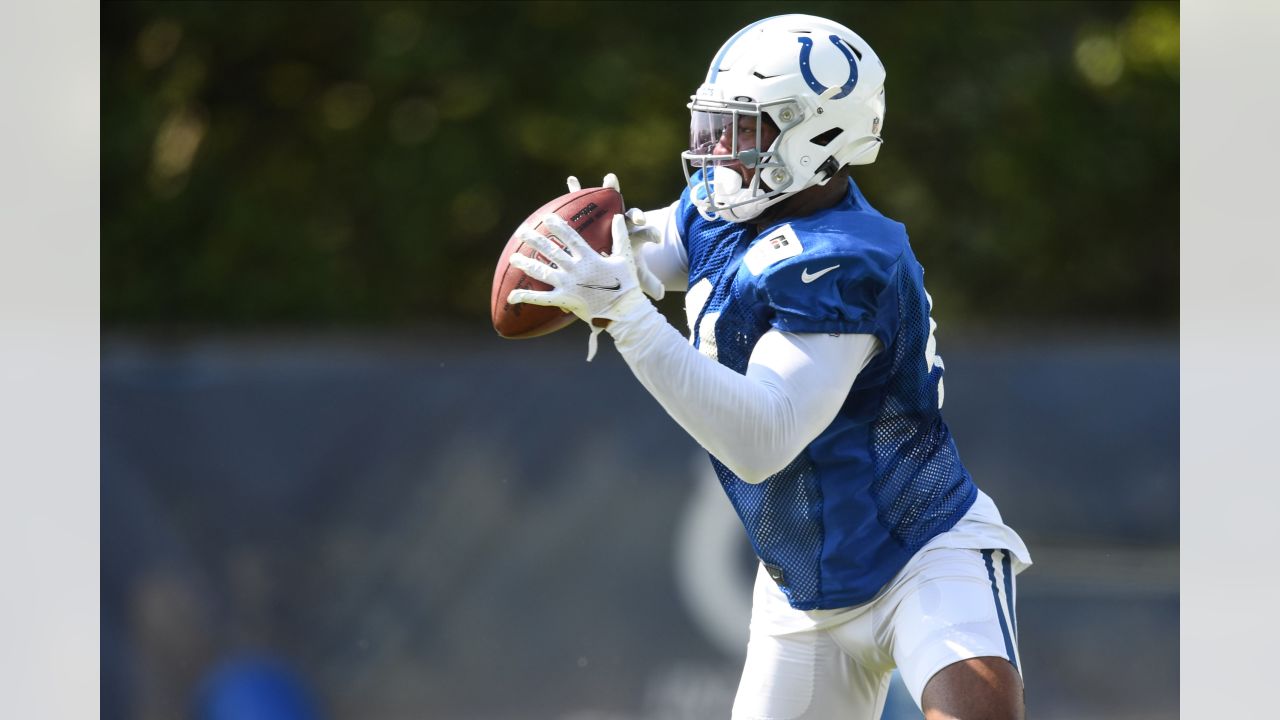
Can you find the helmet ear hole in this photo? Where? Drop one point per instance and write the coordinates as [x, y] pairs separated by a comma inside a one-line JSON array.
[[822, 139]]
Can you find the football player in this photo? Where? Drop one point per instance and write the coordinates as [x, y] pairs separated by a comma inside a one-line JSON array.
[[812, 378]]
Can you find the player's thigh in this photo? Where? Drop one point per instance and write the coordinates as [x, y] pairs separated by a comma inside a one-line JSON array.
[[806, 676], [981, 687], [958, 606]]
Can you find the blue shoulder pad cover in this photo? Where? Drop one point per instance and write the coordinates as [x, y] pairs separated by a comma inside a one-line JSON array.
[[834, 287]]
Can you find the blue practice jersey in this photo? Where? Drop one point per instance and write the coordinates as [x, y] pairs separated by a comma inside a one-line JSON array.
[[884, 477]]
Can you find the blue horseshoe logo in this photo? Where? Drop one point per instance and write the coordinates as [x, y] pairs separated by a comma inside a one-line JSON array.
[[807, 72]]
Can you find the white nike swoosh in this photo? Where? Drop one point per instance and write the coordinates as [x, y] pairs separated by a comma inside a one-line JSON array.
[[805, 277]]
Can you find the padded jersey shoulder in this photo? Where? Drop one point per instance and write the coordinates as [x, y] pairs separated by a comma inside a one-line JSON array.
[[833, 271]]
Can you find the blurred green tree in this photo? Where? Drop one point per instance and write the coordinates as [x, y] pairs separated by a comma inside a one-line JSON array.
[[321, 164]]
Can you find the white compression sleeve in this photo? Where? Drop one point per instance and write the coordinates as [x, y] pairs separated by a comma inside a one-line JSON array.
[[755, 423]]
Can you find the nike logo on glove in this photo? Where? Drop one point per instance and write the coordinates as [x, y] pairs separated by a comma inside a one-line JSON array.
[[617, 285], [805, 277]]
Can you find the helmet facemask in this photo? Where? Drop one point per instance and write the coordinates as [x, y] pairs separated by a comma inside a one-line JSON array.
[[717, 187]]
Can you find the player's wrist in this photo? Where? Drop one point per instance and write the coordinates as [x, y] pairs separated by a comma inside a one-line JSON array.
[[632, 319], [628, 307]]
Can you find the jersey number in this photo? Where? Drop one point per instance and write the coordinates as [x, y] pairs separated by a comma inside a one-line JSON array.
[[931, 357], [702, 328]]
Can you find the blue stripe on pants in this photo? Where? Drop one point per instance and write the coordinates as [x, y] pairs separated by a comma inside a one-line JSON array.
[[1007, 565], [995, 593]]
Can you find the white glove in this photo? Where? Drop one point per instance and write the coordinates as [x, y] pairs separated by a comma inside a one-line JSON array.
[[640, 234], [583, 281]]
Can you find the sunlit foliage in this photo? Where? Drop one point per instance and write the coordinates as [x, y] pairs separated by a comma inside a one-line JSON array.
[[336, 163]]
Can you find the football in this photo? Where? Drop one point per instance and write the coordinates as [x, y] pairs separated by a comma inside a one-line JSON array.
[[589, 211]]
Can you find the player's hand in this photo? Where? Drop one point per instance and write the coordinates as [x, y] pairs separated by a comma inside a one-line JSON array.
[[640, 234], [583, 281]]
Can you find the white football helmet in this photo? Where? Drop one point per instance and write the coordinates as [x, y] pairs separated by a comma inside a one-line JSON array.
[[816, 80]]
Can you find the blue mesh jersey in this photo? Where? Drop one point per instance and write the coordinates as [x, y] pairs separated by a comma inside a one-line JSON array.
[[884, 477]]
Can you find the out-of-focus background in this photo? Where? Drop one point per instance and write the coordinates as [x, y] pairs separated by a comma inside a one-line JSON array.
[[330, 491]]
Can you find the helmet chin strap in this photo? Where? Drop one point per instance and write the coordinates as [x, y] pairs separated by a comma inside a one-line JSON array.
[[828, 170], [728, 185]]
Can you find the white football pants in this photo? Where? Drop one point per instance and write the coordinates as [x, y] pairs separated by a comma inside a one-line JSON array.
[[945, 606]]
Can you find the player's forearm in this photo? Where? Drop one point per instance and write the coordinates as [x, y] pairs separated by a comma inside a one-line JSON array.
[[749, 424]]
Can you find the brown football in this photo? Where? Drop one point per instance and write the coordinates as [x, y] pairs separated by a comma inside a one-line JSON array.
[[590, 211]]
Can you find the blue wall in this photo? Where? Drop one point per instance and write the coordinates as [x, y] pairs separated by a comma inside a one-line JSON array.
[[456, 526]]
